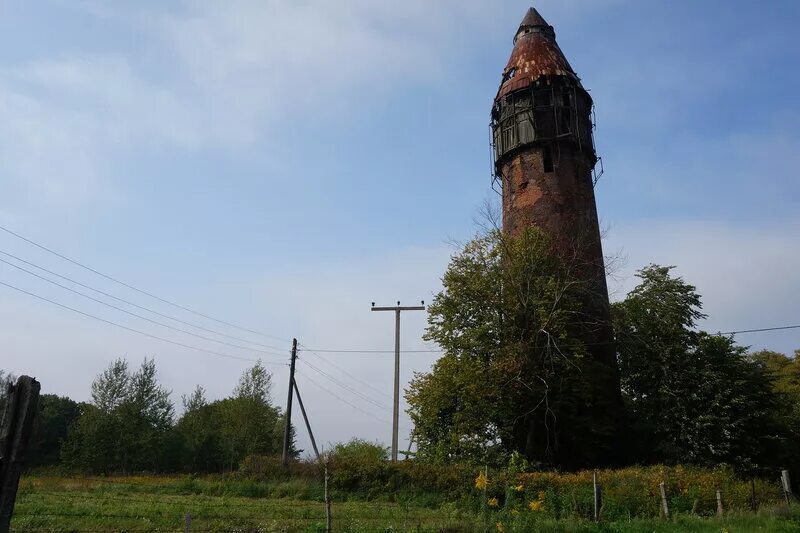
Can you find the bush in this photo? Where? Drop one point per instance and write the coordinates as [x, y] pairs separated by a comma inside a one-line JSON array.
[[270, 467]]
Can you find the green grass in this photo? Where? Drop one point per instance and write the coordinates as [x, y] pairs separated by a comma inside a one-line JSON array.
[[219, 504]]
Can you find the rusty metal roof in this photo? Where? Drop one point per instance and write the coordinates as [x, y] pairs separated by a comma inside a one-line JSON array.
[[533, 18], [535, 54]]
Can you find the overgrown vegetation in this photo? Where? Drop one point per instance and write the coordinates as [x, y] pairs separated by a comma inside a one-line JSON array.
[[515, 376], [406, 496]]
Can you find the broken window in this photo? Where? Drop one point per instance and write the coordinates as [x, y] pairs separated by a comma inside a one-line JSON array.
[[547, 159], [510, 73]]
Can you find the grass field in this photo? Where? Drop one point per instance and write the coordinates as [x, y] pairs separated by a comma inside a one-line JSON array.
[[160, 504]]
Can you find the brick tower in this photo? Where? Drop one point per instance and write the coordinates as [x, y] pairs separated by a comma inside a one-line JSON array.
[[544, 160]]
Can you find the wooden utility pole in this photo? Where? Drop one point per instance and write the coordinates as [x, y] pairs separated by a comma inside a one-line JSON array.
[[15, 433], [305, 417], [287, 427], [396, 411]]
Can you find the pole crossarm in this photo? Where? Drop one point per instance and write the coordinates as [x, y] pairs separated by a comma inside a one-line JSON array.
[[399, 308]]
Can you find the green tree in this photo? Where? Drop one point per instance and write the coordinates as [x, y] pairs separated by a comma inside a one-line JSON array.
[[112, 387], [694, 397], [515, 375], [57, 414], [784, 372], [128, 425], [198, 434], [244, 424]]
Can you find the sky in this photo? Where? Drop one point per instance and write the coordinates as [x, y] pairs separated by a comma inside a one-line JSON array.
[[279, 165]]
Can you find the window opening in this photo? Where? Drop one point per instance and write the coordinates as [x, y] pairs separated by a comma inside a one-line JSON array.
[[547, 159]]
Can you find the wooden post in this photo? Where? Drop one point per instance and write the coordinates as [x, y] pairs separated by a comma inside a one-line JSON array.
[[598, 497], [15, 433], [719, 503], [328, 525], [664, 505], [753, 503], [187, 523], [787, 486]]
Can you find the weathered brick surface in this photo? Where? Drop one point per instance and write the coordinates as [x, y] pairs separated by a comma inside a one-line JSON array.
[[562, 203], [558, 197]]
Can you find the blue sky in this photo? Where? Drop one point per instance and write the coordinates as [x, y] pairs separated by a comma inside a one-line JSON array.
[[283, 164]]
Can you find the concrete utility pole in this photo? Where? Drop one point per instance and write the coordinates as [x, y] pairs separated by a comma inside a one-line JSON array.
[[396, 413]]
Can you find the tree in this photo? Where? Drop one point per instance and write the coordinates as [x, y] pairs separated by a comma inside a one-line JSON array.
[[515, 375], [146, 416], [694, 397], [784, 373], [220, 434], [128, 425], [255, 383], [199, 436], [112, 387], [6, 379], [56, 416]]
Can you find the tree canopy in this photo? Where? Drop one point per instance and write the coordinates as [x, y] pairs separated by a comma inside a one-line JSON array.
[[694, 397], [515, 374]]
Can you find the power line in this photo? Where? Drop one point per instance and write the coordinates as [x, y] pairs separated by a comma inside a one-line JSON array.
[[372, 351], [342, 370], [143, 308], [345, 386], [758, 330], [354, 406], [141, 291], [136, 315], [220, 354]]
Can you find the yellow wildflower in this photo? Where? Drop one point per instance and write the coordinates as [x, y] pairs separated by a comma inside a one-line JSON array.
[[481, 482], [519, 488], [535, 505], [492, 502], [541, 495], [500, 527]]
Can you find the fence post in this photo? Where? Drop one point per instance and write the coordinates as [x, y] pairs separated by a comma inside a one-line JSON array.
[[664, 505], [15, 433], [328, 525], [187, 523], [753, 503], [598, 497], [787, 486], [719, 503]]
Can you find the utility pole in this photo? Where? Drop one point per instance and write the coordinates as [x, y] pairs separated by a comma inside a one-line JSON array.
[[396, 414], [287, 426]]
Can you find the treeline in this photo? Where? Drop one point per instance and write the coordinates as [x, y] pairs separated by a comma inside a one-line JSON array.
[[130, 425], [518, 377]]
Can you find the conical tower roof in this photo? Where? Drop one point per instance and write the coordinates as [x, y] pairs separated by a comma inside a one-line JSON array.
[[533, 18], [536, 54]]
